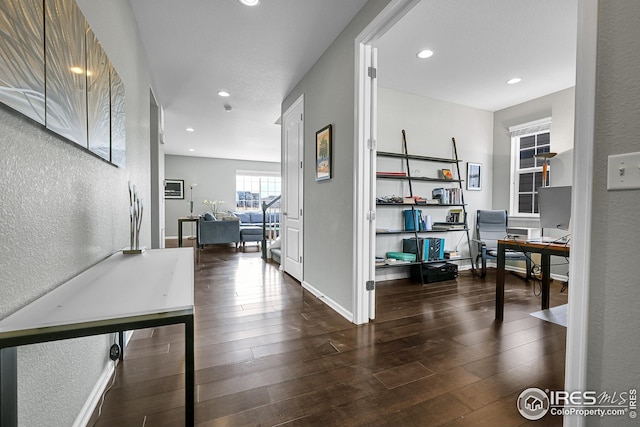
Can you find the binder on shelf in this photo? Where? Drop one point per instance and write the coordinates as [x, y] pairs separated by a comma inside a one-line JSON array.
[[412, 219], [431, 249], [409, 246], [436, 249]]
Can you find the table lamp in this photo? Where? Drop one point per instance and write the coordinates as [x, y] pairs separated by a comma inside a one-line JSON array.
[[192, 237], [545, 158], [191, 200]]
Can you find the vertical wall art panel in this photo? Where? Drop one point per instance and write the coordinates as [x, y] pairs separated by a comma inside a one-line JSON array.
[[22, 57], [66, 103], [118, 131], [98, 97]]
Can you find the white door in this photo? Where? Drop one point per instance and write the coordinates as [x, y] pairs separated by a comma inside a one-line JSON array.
[[292, 237]]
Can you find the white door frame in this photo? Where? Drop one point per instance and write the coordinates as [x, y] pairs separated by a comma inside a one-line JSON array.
[[578, 313], [581, 201], [365, 122]]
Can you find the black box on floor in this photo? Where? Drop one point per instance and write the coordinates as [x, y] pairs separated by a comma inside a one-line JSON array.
[[434, 272]]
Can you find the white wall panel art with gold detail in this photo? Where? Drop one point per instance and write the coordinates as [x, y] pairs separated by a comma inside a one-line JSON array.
[[78, 94]]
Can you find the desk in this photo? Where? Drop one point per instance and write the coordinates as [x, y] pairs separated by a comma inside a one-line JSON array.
[[544, 249], [122, 292], [183, 219]]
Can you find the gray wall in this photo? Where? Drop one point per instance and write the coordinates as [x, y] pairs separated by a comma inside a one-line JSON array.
[[216, 179], [614, 294], [328, 90], [62, 210]]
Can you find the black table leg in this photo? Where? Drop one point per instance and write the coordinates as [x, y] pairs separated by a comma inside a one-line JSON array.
[[500, 283], [546, 279], [190, 373], [9, 387]]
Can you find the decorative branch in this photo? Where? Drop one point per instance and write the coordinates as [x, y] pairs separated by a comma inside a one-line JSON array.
[[136, 208]]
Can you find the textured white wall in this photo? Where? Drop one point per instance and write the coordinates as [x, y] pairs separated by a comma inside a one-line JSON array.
[[216, 179], [614, 294], [62, 211]]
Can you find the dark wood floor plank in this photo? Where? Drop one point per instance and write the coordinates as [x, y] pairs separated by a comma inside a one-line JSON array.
[[269, 352], [432, 412]]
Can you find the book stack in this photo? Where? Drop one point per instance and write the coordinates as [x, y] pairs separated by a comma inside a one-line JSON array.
[[448, 225], [452, 254], [448, 196]]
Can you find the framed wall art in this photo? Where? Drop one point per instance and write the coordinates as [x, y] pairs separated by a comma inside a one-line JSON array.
[[323, 153], [174, 188], [474, 176]]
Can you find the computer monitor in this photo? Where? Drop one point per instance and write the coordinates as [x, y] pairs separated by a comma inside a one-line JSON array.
[[554, 205]]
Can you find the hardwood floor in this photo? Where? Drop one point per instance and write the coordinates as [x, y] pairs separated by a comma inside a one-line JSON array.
[[269, 353]]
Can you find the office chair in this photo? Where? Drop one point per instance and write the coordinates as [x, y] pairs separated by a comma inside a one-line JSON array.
[[491, 226]]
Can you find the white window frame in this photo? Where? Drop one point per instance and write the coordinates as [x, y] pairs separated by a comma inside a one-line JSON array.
[[255, 174], [517, 132]]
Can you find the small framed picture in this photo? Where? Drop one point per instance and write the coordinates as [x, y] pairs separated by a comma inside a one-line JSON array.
[[174, 188], [323, 153], [446, 174], [474, 176]]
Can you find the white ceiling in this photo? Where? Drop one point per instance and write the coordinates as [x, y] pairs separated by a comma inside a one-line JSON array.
[[478, 46], [198, 47]]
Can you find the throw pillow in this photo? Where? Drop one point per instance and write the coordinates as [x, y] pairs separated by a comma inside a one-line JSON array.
[[209, 217], [245, 217]]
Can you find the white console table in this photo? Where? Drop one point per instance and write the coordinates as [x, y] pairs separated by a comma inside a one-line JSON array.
[[123, 292]]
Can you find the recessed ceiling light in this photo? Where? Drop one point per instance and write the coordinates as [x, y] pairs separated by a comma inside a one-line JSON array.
[[514, 80], [223, 93], [425, 53], [190, 129], [250, 3], [191, 149], [76, 70]]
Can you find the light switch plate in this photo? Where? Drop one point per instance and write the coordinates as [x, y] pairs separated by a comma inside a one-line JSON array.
[[623, 171]]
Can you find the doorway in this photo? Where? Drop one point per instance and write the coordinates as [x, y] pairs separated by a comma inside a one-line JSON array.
[[156, 163], [582, 181]]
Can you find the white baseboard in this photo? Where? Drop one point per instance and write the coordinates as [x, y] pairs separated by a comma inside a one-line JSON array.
[[396, 275], [523, 271], [331, 303], [93, 400]]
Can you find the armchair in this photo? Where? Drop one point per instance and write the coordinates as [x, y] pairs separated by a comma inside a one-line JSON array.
[[491, 226]]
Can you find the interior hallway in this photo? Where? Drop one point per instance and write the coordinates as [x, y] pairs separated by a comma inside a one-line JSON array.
[[269, 353]]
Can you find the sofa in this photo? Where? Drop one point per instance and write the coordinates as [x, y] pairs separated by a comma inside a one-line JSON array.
[[212, 231], [251, 223]]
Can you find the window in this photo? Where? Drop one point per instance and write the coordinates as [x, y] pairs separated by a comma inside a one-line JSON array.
[[252, 188], [528, 141]]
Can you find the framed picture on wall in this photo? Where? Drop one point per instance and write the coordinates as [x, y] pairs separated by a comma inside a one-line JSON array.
[[174, 188], [474, 176], [323, 153]]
